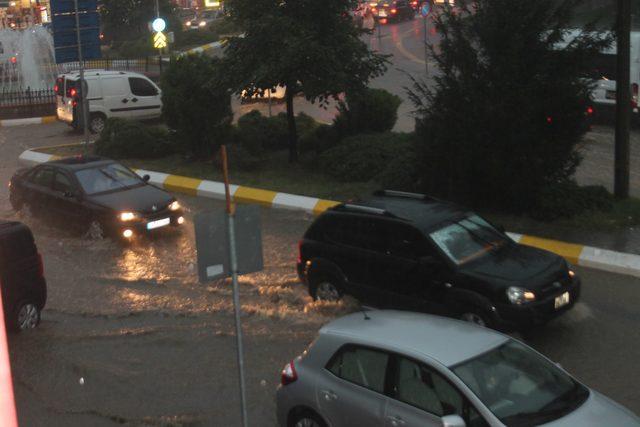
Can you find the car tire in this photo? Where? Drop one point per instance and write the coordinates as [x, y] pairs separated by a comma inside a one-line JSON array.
[[16, 202], [325, 288], [306, 419], [97, 123], [477, 316], [26, 315], [95, 230]]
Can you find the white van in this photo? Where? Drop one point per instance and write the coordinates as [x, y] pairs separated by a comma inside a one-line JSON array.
[[110, 94]]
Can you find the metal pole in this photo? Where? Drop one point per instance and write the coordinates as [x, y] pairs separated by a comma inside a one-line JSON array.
[[426, 48], [269, 102], [84, 96], [234, 278], [623, 100]]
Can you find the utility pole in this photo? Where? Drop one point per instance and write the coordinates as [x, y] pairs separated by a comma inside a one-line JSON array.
[[84, 87], [623, 100]]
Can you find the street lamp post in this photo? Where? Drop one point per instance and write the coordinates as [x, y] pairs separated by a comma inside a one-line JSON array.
[[623, 100]]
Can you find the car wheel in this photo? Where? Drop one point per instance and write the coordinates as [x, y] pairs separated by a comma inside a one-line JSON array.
[[325, 289], [27, 316], [95, 231], [477, 317], [97, 123], [307, 419], [16, 202]]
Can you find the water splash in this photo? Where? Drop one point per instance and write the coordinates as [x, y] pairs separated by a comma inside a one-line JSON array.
[[27, 59]]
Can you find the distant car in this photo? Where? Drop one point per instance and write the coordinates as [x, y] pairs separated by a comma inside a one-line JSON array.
[[204, 20], [414, 252], [110, 93], [401, 369], [100, 195], [393, 10], [24, 288]]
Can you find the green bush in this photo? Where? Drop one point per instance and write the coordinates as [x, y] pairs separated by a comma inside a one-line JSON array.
[[197, 104], [257, 132], [320, 139], [366, 111], [360, 158], [190, 38], [567, 199], [403, 171], [129, 139]]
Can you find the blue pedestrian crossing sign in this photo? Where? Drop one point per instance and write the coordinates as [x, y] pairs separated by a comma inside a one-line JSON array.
[[425, 10]]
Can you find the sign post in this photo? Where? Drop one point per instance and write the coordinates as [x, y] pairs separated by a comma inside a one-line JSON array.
[[84, 87], [159, 38], [425, 11]]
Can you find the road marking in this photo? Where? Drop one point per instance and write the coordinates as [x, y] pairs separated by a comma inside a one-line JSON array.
[[254, 195], [183, 184]]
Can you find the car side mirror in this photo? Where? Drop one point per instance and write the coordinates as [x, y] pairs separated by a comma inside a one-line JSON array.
[[146, 178], [453, 421]]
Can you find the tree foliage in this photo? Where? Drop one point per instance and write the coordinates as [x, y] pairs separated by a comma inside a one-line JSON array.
[[196, 106], [507, 112], [310, 47], [368, 110]]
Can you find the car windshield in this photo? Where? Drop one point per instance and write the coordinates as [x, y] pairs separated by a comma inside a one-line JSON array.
[[519, 386], [107, 178], [467, 238]]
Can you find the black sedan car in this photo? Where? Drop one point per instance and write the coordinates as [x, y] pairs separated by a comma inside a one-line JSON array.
[[410, 251], [99, 195]]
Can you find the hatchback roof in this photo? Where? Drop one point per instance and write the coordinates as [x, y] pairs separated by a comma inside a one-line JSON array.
[[424, 213], [81, 162], [447, 341]]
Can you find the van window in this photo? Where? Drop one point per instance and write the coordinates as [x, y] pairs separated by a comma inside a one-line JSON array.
[[70, 84], [142, 87], [59, 87], [115, 86]]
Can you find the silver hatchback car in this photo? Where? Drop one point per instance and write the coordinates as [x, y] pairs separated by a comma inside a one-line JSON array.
[[402, 369]]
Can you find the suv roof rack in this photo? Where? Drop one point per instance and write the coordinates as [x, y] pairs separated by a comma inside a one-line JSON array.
[[364, 209], [405, 194]]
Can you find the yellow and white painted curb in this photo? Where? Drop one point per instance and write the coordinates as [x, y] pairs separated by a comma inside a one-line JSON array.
[[28, 121], [585, 256]]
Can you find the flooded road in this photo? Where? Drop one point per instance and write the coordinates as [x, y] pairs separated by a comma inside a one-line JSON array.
[[129, 336]]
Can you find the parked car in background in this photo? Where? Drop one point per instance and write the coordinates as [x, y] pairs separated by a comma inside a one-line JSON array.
[[401, 369], [110, 94], [393, 10], [22, 282], [414, 252], [99, 195]]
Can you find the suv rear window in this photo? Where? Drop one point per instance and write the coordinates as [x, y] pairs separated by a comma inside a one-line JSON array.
[[360, 232], [16, 243]]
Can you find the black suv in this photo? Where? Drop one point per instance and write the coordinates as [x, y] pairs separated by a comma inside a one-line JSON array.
[[24, 289], [413, 252]]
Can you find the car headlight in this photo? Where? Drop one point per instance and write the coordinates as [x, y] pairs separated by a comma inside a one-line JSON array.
[[188, 23], [174, 206], [202, 23], [519, 296], [127, 216], [572, 274]]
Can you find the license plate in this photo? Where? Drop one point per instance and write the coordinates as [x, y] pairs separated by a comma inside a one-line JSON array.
[[159, 223], [562, 300], [382, 14], [611, 94]]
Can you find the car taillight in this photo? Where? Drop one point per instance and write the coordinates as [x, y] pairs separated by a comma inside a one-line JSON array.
[[289, 374], [299, 251], [634, 98], [40, 265], [373, 10], [55, 88], [14, 60], [73, 92], [394, 11]]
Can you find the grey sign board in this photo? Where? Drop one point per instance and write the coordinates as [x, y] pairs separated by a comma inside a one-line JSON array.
[[212, 242]]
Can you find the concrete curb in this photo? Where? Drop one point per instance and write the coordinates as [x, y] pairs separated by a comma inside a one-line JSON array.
[[585, 256], [28, 121]]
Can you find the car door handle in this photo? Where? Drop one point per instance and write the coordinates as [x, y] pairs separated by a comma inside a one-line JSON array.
[[396, 421], [124, 101], [134, 100], [329, 395]]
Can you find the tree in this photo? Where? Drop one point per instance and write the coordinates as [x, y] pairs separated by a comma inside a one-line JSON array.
[[366, 111], [507, 112], [129, 19], [196, 106], [308, 46]]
